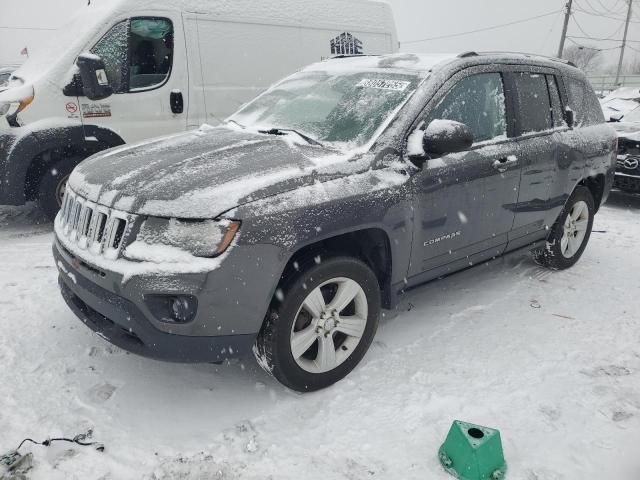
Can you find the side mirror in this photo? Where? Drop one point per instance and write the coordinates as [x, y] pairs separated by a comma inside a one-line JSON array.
[[616, 117], [446, 136], [569, 117], [95, 84]]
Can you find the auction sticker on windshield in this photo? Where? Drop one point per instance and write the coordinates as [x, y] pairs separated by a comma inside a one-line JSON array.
[[397, 85]]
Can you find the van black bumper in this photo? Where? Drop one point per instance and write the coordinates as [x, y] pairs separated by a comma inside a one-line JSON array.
[[120, 322]]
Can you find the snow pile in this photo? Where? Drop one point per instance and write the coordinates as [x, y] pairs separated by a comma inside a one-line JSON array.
[[549, 358]]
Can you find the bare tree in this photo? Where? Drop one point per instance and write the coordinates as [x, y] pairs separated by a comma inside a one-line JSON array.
[[587, 59]]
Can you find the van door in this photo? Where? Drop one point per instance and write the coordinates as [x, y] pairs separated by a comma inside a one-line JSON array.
[[464, 205], [146, 65]]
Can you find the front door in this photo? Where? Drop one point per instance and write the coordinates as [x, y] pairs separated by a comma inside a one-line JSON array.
[[146, 66], [464, 204]]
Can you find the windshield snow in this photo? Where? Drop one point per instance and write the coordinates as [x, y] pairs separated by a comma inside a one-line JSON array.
[[346, 109]]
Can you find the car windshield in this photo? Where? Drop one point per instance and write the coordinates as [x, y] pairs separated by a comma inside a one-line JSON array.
[[345, 109]]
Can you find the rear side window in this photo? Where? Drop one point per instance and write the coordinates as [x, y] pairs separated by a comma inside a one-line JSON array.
[[584, 103], [477, 101], [556, 104], [534, 103]]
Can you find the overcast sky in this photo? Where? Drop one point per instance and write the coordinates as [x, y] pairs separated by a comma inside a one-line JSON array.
[[416, 19]]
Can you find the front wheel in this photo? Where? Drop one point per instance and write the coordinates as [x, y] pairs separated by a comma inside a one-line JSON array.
[[320, 325], [570, 235]]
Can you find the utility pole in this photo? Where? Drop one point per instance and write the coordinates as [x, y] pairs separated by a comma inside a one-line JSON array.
[[624, 42], [567, 17]]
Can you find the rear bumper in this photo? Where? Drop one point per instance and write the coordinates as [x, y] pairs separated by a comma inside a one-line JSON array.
[[120, 321]]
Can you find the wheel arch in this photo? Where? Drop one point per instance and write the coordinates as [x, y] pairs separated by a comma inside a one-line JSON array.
[[371, 245], [31, 154], [596, 184]]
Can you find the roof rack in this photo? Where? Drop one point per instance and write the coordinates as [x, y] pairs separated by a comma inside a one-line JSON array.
[[528, 54]]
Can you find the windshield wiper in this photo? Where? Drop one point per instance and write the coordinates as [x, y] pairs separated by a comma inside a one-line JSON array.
[[239, 124], [284, 131]]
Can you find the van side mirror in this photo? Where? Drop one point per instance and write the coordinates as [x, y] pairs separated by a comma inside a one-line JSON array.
[[446, 136], [95, 83], [569, 117]]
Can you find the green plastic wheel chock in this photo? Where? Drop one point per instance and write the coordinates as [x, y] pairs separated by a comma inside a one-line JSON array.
[[473, 452]]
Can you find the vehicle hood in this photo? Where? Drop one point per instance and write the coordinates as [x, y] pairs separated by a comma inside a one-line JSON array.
[[202, 174], [627, 130]]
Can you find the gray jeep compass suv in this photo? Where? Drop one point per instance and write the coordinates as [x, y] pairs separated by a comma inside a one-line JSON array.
[[286, 230]]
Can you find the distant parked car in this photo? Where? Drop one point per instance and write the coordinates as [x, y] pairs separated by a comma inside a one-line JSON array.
[[5, 75], [327, 198], [620, 102], [628, 169]]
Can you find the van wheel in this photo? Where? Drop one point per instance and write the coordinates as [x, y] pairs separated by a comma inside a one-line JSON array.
[[53, 184], [570, 235], [320, 324]]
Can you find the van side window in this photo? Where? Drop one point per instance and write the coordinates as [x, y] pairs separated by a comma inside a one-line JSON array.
[[137, 53], [151, 47], [477, 101], [584, 103], [534, 103], [556, 103], [112, 48]]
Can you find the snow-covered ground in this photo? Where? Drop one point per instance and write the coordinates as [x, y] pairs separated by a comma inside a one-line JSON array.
[[552, 359]]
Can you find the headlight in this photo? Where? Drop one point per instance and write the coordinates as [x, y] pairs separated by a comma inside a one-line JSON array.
[[200, 238]]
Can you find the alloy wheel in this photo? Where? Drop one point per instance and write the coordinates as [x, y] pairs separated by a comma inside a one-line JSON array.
[[329, 325], [575, 229]]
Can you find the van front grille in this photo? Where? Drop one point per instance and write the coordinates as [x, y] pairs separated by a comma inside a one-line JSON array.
[[92, 227]]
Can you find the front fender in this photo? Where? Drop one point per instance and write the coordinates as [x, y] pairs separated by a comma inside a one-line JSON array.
[[20, 146]]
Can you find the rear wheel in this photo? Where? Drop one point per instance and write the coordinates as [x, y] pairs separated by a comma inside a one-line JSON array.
[[321, 324], [570, 235], [53, 184]]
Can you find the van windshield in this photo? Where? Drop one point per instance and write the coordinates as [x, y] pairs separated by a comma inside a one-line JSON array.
[[346, 109]]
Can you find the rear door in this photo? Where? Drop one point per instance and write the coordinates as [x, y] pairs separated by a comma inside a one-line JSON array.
[[145, 61], [464, 204], [538, 152]]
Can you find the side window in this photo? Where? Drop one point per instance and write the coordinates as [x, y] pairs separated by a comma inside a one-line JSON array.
[[151, 47], [138, 53], [534, 102], [556, 103], [584, 103], [112, 48], [477, 101]]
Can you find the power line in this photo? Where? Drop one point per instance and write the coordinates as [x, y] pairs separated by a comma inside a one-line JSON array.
[[592, 48], [5, 27], [593, 14], [494, 27], [610, 37], [601, 39]]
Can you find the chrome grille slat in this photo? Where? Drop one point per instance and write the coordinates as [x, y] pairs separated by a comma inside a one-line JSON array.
[[94, 227]]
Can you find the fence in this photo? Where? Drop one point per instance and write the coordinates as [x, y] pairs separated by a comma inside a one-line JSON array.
[[603, 84]]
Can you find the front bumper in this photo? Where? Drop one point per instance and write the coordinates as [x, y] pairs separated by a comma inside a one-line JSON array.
[[223, 328], [628, 172]]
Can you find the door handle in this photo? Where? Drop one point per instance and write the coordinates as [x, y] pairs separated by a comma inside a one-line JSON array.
[[176, 101], [503, 164]]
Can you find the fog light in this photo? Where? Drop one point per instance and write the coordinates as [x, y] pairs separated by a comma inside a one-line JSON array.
[[173, 308], [181, 309]]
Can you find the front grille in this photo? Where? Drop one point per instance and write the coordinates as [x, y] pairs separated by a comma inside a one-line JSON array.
[[93, 227], [629, 164]]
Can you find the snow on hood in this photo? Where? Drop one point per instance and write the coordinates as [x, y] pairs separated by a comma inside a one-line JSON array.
[[200, 174], [628, 130]]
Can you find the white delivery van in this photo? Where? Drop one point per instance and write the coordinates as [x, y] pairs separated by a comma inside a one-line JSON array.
[[126, 70]]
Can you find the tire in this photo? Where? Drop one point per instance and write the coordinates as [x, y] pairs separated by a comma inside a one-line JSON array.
[[53, 183], [570, 234], [312, 367]]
